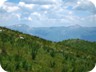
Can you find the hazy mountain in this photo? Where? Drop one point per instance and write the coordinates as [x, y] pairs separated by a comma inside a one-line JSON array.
[[21, 52], [20, 27], [59, 33]]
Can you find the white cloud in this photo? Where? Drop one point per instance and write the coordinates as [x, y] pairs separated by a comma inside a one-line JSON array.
[[29, 18], [48, 12], [22, 4], [85, 6], [2, 2], [70, 12], [11, 8], [36, 14], [46, 6], [78, 3]]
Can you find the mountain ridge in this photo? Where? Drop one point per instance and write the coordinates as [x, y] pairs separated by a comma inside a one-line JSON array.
[[60, 33]]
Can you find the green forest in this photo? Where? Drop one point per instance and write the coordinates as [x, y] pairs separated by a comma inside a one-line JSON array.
[[21, 52]]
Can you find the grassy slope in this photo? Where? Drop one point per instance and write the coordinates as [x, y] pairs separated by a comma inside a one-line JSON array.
[[33, 54]]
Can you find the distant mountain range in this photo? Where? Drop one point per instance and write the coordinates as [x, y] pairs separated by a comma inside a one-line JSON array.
[[58, 33]]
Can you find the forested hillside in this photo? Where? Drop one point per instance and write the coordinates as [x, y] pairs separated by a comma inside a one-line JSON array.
[[25, 53]]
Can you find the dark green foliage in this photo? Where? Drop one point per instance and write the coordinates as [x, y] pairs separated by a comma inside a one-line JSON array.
[[33, 54]]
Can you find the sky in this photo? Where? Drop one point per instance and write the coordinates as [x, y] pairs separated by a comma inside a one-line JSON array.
[[48, 13]]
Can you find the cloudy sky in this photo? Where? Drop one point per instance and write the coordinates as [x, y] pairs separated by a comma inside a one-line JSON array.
[[46, 13]]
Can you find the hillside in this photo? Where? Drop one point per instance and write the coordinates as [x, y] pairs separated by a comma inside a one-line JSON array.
[[58, 33], [25, 53]]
